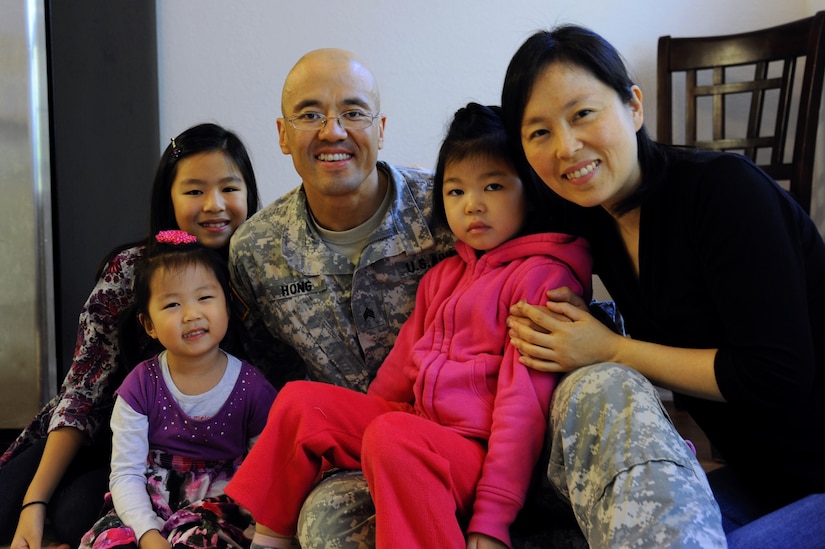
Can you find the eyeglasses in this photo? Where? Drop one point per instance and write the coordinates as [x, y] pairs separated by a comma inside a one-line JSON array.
[[350, 120]]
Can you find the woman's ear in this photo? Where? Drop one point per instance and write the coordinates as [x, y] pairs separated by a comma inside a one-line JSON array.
[[636, 107], [146, 322]]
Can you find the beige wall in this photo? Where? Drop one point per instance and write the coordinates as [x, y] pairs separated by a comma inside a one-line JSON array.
[[226, 61]]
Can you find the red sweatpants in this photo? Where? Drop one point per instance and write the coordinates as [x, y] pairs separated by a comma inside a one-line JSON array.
[[422, 476]]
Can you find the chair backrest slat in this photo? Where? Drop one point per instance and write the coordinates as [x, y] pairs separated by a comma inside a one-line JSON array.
[[717, 84]]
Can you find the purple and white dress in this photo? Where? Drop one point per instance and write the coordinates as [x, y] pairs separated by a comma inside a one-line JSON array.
[[192, 444]]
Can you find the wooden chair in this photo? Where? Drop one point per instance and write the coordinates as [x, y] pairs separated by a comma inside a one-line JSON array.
[[742, 93]]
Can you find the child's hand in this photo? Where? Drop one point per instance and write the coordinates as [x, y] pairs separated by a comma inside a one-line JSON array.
[[29, 533], [481, 541], [153, 540]]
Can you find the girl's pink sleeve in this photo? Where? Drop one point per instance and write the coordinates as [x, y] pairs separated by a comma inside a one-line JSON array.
[[520, 415]]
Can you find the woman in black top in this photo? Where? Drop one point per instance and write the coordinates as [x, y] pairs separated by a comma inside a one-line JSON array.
[[719, 274]]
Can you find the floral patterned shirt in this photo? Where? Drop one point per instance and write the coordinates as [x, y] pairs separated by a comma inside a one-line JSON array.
[[86, 396]]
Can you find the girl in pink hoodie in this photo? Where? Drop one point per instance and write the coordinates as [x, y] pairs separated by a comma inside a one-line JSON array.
[[451, 428]]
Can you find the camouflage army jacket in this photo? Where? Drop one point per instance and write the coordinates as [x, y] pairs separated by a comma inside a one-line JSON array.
[[308, 311]]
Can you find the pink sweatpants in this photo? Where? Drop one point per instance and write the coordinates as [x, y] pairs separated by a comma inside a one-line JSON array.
[[422, 476]]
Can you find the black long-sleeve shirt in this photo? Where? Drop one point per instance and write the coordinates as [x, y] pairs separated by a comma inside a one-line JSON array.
[[728, 260]]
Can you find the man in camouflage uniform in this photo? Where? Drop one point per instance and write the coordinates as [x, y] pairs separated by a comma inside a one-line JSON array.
[[327, 274], [330, 269]]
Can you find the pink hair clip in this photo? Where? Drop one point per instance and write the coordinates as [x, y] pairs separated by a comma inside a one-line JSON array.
[[175, 237]]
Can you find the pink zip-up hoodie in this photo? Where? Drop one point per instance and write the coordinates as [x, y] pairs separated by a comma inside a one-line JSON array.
[[454, 362]]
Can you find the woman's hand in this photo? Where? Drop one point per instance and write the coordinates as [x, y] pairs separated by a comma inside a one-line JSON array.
[[481, 541], [561, 336], [562, 294]]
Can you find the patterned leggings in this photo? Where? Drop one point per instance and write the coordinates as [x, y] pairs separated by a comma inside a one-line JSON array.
[[188, 496], [213, 522]]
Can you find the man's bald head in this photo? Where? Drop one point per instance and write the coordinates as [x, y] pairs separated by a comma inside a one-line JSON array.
[[330, 64]]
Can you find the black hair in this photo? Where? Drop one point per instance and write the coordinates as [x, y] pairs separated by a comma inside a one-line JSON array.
[[583, 48], [197, 140], [173, 257], [477, 131]]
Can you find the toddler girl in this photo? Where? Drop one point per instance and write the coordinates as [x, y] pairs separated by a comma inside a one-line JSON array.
[[183, 420]]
